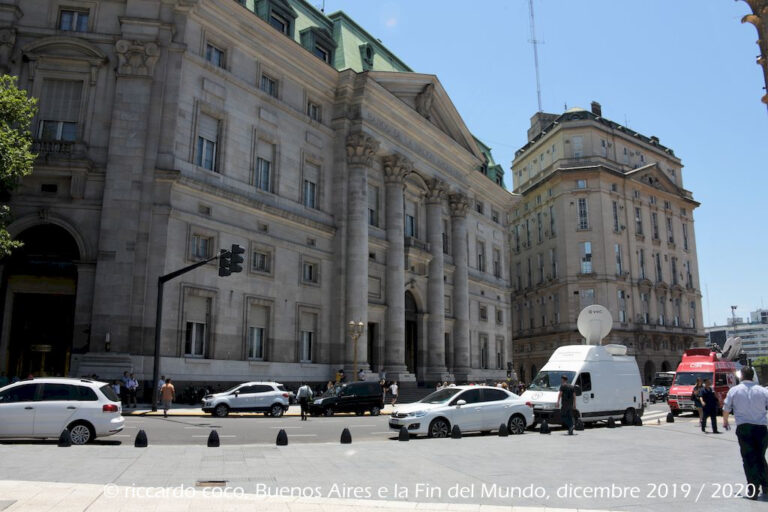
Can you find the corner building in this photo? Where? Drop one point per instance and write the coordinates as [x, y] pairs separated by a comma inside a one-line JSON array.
[[604, 219], [170, 129]]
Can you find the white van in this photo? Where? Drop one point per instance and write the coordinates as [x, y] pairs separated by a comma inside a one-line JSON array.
[[609, 380]]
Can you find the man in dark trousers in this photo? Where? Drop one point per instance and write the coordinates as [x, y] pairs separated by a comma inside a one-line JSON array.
[[304, 395], [748, 402], [565, 398], [711, 404]]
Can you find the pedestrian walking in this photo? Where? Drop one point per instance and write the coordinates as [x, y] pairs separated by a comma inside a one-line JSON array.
[[133, 386], [124, 388], [748, 402], [696, 397], [361, 374], [116, 387], [566, 398], [711, 404], [304, 395], [167, 395], [393, 388], [160, 384]]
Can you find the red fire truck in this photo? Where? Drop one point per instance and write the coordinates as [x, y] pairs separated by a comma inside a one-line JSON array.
[[701, 363]]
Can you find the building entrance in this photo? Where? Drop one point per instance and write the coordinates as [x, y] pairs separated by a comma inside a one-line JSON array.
[[411, 334]]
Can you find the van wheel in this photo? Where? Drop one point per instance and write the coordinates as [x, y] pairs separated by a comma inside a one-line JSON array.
[[221, 410], [439, 428], [276, 411], [516, 425], [81, 432], [629, 416], [375, 411]]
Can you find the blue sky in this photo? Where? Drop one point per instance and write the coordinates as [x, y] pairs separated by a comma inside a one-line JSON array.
[[684, 71]]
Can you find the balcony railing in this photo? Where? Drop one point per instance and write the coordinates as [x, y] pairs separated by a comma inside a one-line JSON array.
[[41, 147]]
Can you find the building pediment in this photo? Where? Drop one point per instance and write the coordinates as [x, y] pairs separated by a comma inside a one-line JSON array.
[[654, 176], [425, 95], [65, 48]]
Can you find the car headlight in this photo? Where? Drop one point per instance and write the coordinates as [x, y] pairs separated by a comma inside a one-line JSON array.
[[318, 401], [417, 414]]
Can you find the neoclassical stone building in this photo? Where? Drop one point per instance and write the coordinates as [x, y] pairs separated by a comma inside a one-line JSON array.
[[170, 129], [604, 219]]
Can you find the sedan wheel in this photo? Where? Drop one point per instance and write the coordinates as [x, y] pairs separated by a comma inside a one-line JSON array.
[[276, 411], [221, 410], [439, 428], [80, 433], [516, 425], [328, 412], [375, 411]]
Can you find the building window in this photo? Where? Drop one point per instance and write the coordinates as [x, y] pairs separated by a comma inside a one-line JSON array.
[[194, 339], [479, 207], [659, 274], [553, 263], [494, 216], [551, 221], [685, 237], [662, 308], [309, 272], [261, 261], [638, 221], [496, 263], [670, 231], [688, 275], [410, 226], [517, 237], [447, 305], [530, 274], [60, 110], [305, 350], [644, 304], [622, 295], [577, 143], [484, 351], [528, 232], [481, 256], [603, 147], [540, 261], [73, 20], [263, 174], [655, 225], [619, 267], [556, 307], [201, 247], [446, 241], [676, 313], [586, 298], [483, 312], [313, 111], [586, 257], [373, 205], [583, 214], [539, 226], [322, 53], [642, 263], [207, 142], [615, 208], [519, 275], [310, 194], [269, 85], [692, 314], [653, 199], [499, 316], [255, 343], [214, 55], [581, 184], [279, 23]]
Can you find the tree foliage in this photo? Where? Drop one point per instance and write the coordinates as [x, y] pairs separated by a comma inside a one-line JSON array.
[[16, 158]]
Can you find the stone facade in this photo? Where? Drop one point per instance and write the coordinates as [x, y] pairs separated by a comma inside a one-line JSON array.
[[604, 219], [168, 130]]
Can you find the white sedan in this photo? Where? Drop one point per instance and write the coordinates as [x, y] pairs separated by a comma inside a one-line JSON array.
[[472, 408]]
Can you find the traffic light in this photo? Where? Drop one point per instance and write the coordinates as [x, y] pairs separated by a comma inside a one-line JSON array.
[[236, 259], [225, 259]]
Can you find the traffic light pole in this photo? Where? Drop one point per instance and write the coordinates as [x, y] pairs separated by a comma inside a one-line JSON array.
[[159, 320]]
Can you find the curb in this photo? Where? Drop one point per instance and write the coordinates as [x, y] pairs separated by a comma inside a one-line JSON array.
[[233, 414]]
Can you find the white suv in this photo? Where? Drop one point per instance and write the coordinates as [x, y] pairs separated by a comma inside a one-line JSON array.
[[271, 398], [42, 408]]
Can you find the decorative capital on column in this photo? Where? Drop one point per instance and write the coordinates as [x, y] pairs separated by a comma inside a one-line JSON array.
[[136, 58], [7, 41], [361, 148], [396, 168], [437, 190], [459, 204]]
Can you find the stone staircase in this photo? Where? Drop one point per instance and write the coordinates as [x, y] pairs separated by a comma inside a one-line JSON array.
[[409, 394]]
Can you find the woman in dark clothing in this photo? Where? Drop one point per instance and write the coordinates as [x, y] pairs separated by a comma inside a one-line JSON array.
[[697, 400], [710, 406]]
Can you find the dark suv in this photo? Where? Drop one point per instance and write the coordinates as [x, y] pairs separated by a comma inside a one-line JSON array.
[[356, 397]]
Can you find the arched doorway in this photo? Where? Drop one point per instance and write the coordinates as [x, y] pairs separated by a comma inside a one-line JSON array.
[[411, 334], [39, 290], [649, 372]]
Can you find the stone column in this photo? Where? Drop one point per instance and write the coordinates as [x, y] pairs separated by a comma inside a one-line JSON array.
[[436, 370], [461, 363], [396, 168], [361, 150]]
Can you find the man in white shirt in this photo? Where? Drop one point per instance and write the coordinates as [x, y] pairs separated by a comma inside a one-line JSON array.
[[393, 389], [748, 402], [304, 394]]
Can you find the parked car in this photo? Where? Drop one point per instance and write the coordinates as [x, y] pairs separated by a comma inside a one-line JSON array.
[[647, 392], [271, 398], [472, 408], [659, 394], [357, 397], [42, 408]]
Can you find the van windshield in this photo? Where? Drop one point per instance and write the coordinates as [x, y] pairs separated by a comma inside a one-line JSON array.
[[550, 380], [689, 378], [438, 397]]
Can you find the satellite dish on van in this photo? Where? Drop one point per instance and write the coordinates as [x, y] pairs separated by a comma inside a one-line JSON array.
[[594, 323], [731, 349]]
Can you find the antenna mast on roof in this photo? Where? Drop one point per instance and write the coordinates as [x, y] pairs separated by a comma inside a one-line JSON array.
[[535, 44]]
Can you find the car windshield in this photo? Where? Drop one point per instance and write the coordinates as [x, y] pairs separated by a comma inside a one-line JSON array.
[[550, 380], [109, 393], [689, 378], [333, 391], [438, 397], [231, 390]]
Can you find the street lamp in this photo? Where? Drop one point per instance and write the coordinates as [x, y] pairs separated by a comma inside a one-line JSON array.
[[355, 331]]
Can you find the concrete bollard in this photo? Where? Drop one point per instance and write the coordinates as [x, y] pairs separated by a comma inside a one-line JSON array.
[[282, 438], [455, 432], [346, 436], [403, 435], [544, 428], [611, 423], [141, 440], [638, 421], [503, 430], [213, 439], [670, 417], [65, 441]]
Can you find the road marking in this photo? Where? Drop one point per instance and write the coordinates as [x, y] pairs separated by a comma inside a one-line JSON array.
[[219, 436], [393, 432], [195, 427], [120, 435], [286, 427], [303, 435]]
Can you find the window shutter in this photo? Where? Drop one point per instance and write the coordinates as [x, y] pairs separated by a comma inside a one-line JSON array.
[[307, 321], [61, 100], [208, 127], [197, 309], [258, 316], [265, 150]]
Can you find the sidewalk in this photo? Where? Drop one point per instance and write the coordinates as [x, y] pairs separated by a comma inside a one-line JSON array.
[[191, 410]]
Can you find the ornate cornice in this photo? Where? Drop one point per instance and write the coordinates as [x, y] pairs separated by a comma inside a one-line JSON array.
[[759, 18], [396, 168], [459, 204], [436, 191], [361, 149], [136, 58]]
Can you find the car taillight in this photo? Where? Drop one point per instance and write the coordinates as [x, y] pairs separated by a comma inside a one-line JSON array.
[[529, 404], [286, 395], [109, 408]]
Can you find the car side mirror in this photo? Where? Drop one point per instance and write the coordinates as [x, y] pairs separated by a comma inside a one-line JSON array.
[[237, 393], [460, 403]]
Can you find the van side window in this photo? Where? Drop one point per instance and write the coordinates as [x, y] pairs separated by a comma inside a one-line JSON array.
[[584, 381], [721, 379]]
